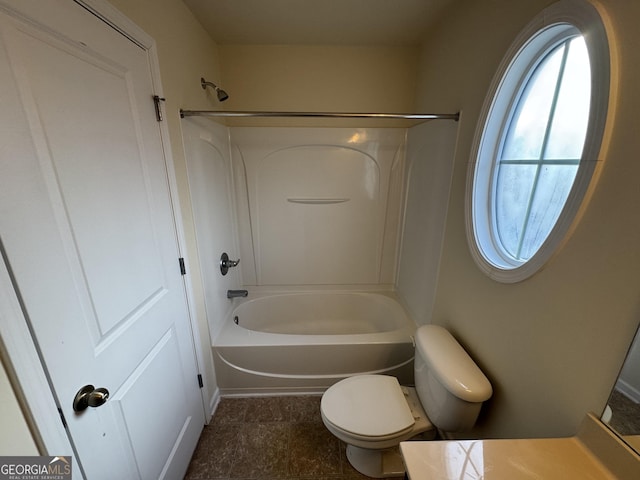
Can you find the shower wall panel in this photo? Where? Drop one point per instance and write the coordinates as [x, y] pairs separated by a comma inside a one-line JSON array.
[[211, 189], [430, 154], [318, 205]]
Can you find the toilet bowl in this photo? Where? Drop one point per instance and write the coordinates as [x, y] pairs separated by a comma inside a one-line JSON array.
[[372, 414]]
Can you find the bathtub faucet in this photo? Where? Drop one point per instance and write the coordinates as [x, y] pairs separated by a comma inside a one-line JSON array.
[[237, 293]]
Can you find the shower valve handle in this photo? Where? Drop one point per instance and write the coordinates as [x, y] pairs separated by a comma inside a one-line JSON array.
[[226, 264]]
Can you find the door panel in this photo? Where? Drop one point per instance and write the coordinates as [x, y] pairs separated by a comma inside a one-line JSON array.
[[121, 246], [140, 421], [87, 225]]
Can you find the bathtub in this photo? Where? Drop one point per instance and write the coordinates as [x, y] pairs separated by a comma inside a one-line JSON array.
[[304, 342]]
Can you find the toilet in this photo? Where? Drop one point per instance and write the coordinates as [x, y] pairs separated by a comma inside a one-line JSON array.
[[372, 414]]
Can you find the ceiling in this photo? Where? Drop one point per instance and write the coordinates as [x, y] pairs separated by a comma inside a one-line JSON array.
[[318, 22]]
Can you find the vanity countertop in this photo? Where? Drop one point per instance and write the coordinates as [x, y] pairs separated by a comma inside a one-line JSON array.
[[580, 457], [549, 459]]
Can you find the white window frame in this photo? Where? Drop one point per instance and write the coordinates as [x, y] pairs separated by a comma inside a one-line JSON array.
[[560, 20]]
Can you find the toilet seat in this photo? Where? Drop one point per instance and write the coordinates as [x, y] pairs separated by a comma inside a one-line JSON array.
[[372, 414], [368, 407]]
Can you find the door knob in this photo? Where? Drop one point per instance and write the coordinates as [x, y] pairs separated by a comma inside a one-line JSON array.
[[89, 396]]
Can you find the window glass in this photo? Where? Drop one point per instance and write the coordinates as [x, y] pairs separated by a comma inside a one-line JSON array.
[[572, 109], [526, 132], [541, 149]]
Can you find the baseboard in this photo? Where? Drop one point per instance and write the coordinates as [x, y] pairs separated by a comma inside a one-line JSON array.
[[213, 403], [270, 392], [628, 390]]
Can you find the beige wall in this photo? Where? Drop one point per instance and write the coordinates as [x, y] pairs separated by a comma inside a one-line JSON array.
[[551, 345], [321, 79], [186, 53]]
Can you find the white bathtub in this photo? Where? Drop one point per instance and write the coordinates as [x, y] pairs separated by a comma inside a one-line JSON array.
[[305, 342]]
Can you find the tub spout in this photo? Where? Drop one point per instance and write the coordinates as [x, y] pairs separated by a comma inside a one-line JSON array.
[[237, 293]]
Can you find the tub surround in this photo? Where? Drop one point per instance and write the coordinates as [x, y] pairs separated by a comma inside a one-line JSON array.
[[595, 453], [427, 183], [318, 206], [315, 209]]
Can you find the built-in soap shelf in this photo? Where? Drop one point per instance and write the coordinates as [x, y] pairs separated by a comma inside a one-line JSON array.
[[317, 201]]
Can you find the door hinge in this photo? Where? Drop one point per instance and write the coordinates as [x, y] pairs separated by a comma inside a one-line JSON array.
[[183, 269], [64, 421], [200, 384], [156, 102]]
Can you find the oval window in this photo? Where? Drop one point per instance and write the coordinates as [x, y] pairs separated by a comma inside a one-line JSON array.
[[539, 143]]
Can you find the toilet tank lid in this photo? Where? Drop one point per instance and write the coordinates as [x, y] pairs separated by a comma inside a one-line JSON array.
[[451, 364]]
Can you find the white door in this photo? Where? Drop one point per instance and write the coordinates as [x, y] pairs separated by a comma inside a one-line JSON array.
[[88, 232]]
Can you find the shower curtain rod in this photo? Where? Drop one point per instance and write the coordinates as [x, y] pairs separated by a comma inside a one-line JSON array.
[[387, 116]]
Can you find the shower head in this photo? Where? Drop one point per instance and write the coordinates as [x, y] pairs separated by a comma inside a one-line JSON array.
[[221, 94]]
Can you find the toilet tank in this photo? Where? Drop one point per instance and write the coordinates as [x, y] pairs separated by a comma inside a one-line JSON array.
[[451, 387]]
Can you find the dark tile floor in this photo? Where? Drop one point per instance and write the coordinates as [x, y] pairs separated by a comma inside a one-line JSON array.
[[626, 414], [283, 438], [269, 438]]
